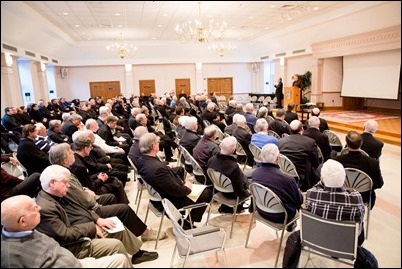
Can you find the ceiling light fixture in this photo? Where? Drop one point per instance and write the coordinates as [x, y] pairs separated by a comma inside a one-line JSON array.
[[121, 48], [198, 31], [221, 48]]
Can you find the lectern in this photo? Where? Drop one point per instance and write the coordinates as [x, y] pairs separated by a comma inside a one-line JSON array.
[[291, 95]]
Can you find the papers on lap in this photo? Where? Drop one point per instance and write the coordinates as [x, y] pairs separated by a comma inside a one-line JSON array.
[[196, 190], [119, 225]]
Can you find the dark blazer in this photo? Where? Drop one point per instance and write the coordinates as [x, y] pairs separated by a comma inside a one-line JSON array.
[[370, 166], [302, 151], [372, 145], [283, 185], [106, 133], [290, 116], [244, 138], [32, 158], [279, 126], [321, 140], [68, 129], [189, 140]]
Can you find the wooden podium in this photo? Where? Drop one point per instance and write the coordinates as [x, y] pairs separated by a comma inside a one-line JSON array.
[[291, 95]]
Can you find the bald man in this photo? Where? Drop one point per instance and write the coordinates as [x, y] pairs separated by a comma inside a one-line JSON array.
[[22, 246]]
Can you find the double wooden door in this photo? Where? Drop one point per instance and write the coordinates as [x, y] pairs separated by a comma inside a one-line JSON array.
[[182, 84], [147, 87], [106, 89], [221, 86]]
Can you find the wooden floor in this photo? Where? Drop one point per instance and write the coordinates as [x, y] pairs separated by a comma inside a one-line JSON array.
[[389, 130]]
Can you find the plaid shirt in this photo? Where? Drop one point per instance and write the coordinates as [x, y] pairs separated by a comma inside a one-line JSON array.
[[335, 203]]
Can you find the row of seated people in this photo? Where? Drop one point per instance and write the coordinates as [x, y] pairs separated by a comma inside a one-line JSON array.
[[170, 184]]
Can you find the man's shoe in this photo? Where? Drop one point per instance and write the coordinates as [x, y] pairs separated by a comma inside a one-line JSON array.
[[153, 235], [145, 257], [171, 160]]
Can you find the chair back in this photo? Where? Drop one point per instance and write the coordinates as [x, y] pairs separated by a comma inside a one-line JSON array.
[[358, 180], [189, 160], [334, 140], [345, 151], [288, 167], [274, 134], [267, 200], [15, 170], [333, 238], [320, 155], [221, 136], [256, 151], [221, 182], [153, 194]]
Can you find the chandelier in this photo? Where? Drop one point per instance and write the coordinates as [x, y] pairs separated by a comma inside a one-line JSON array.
[[221, 47], [198, 31], [121, 48]]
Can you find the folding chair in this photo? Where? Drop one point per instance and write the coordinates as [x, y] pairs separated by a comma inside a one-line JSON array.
[[288, 167], [331, 239], [266, 200], [194, 241], [222, 184], [361, 182]]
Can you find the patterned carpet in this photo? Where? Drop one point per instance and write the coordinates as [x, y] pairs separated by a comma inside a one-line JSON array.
[[352, 116]]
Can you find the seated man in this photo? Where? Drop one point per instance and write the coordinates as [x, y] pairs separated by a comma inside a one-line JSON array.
[[11, 185], [104, 205], [283, 185], [355, 159], [371, 145], [166, 182], [67, 221], [260, 138], [329, 200], [225, 163], [322, 141], [24, 247]]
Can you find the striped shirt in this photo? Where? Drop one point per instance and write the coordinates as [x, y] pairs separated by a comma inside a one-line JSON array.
[[336, 204], [43, 143]]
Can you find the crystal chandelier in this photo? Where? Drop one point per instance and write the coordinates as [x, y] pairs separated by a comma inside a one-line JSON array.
[[121, 48], [221, 48], [198, 31]]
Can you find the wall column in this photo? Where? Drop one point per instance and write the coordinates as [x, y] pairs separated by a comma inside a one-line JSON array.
[[10, 90], [129, 82], [199, 80]]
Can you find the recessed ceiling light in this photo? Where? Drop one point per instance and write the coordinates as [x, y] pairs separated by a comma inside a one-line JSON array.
[[77, 25], [165, 15], [117, 14], [251, 17], [316, 8], [119, 25], [65, 13], [159, 25]]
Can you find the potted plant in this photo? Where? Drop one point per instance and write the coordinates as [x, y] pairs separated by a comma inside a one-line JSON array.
[[306, 80]]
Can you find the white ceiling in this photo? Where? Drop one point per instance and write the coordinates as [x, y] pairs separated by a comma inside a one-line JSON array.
[[156, 20]]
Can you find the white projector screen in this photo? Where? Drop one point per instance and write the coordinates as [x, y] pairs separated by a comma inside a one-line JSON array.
[[372, 75]]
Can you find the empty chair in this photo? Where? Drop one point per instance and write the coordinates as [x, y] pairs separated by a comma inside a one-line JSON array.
[[256, 151], [268, 201], [329, 238], [253, 99], [154, 196], [334, 140], [222, 184], [194, 241], [288, 167], [261, 99], [361, 182], [274, 134]]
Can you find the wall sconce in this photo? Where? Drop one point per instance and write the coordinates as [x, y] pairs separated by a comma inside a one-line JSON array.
[[9, 59], [198, 66], [128, 67]]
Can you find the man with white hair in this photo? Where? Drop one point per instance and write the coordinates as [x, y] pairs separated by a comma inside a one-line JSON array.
[[302, 151], [323, 122], [225, 163], [261, 137], [190, 137], [283, 185], [330, 200], [371, 145], [313, 131]]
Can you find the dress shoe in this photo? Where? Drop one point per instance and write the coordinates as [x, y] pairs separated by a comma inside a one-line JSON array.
[[153, 235], [145, 256]]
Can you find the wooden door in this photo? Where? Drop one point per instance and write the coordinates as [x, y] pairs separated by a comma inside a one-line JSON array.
[[183, 84], [106, 89], [221, 86], [147, 87]]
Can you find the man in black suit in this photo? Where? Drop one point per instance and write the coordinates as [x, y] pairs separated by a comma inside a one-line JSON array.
[[166, 182], [371, 145], [356, 159], [302, 151], [290, 116], [321, 139]]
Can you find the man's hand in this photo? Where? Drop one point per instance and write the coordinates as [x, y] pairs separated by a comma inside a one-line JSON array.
[[105, 223]]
